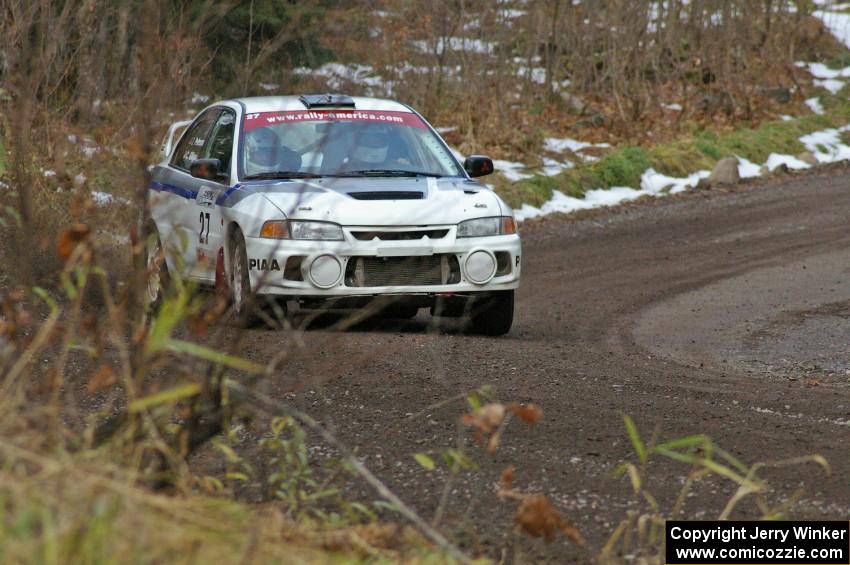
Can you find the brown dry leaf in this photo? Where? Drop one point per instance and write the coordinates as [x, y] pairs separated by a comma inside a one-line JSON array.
[[103, 378], [538, 518], [214, 314], [197, 325], [571, 531], [487, 418], [69, 238], [493, 443], [506, 479], [529, 413]]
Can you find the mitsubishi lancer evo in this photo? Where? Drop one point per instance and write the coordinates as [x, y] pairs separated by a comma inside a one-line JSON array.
[[331, 201]]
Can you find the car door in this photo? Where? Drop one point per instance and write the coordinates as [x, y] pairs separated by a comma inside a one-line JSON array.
[[184, 189], [210, 237]]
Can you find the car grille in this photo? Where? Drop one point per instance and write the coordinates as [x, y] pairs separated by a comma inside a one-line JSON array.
[[397, 235], [402, 271], [388, 195]]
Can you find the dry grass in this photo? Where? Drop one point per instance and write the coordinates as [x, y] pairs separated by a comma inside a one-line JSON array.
[[82, 508]]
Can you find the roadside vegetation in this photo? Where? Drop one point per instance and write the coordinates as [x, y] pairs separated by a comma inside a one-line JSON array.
[[689, 153], [104, 409]]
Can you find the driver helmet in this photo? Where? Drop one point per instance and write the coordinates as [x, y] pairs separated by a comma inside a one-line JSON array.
[[372, 145], [262, 148]]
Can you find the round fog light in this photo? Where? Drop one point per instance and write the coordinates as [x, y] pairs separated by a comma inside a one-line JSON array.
[[480, 267], [325, 271]]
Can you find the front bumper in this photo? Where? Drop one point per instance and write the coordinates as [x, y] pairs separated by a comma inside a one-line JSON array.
[[377, 266]]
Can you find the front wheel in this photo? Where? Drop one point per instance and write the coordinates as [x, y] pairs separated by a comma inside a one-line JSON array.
[[492, 314], [242, 299], [250, 309]]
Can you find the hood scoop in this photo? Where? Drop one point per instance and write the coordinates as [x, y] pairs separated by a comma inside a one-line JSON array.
[[388, 195]]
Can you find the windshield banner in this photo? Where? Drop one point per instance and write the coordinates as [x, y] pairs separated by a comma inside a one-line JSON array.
[[264, 119]]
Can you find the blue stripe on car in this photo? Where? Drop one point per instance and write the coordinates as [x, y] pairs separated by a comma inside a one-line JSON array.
[[178, 190], [232, 195]]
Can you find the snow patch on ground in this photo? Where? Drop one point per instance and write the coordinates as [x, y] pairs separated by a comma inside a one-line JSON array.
[[775, 160], [102, 198], [86, 145], [509, 14], [747, 169], [559, 145], [837, 23], [106, 199], [826, 146], [511, 170], [831, 84], [821, 71], [338, 75], [551, 167], [654, 183], [815, 105], [465, 44], [825, 77], [536, 74]]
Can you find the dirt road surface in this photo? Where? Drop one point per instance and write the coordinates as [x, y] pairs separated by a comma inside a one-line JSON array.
[[723, 313]]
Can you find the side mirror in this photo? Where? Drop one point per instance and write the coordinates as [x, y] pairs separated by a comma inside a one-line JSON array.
[[478, 165], [208, 169]]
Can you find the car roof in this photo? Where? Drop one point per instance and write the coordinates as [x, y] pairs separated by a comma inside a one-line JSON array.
[[257, 104]]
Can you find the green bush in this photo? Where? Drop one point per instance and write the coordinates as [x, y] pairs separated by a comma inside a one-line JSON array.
[[623, 167]]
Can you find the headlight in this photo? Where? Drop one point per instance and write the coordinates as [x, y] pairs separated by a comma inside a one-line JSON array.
[[481, 227], [297, 229]]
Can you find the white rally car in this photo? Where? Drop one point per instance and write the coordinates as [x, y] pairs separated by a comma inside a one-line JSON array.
[[335, 201]]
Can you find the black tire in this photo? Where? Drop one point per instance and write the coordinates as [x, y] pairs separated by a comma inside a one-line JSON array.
[[243, 302], [158, 277], [493, 314]]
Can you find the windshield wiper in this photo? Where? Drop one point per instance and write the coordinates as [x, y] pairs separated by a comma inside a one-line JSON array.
[[387, 173], [283, 175]]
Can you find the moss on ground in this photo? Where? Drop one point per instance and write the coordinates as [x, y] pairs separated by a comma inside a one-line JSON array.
[[698, 151]]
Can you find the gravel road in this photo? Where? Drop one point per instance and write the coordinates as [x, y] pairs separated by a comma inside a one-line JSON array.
[[715, 312]]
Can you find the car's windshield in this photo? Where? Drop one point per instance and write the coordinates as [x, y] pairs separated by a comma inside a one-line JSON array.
[[344, 143]]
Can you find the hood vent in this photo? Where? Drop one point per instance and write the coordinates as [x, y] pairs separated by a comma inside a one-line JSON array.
[[388, 195]]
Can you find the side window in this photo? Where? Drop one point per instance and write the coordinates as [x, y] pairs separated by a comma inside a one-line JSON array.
[[193, 141], [221, 140]]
